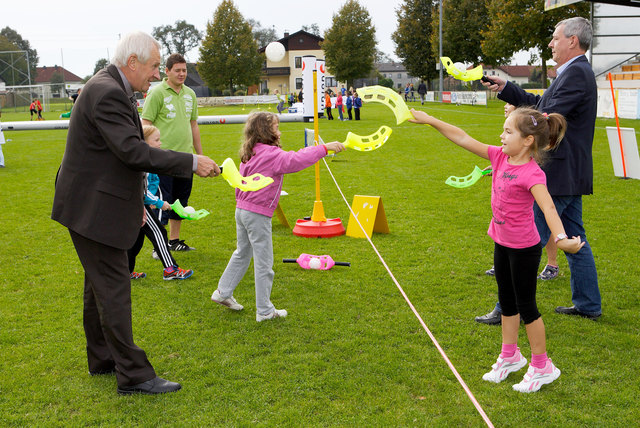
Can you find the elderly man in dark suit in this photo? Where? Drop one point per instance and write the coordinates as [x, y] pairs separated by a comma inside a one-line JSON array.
[[569, 169], [99, 198]]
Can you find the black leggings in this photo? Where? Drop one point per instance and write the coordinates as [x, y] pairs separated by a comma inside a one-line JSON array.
[[516, 274], [157, 234]]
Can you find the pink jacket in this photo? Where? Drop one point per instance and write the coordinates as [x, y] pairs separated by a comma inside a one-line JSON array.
[[272, 161]]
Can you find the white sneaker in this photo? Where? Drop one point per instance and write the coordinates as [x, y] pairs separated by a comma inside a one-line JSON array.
[[535, 378], [154, 255], [277, 313], [501, 369], [229, 302]]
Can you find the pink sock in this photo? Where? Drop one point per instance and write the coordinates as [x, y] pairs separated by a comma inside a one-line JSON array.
[[508, 350], [539, 361]]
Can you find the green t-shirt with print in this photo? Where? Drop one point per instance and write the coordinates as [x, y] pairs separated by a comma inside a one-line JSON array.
[[172, 114]]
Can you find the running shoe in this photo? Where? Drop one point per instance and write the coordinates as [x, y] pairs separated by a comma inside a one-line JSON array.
[[490, 272], [229, 302], [138, 275], [277, 313], [535, 378], [501, 369], [549, 272], [176, 273], [179, 245]]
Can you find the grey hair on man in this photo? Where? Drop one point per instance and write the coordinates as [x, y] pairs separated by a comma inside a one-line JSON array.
[[137, 43], [579, 27]]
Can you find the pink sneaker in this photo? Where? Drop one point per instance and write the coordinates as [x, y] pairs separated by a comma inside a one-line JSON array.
[[535, 378], [501, 369]]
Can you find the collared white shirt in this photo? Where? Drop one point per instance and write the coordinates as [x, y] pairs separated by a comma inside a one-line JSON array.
[[564, 66]]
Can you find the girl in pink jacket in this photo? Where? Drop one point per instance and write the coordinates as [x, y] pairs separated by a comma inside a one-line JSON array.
[[261, 152]]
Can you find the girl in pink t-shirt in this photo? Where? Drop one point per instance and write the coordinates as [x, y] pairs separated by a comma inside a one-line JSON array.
[[518, 181]]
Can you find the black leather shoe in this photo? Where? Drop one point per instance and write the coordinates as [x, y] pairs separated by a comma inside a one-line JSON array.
[[102, 372], [492, 318], [156, 385], [571, 310]]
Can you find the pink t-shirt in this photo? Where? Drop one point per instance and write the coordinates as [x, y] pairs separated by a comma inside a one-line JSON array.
[[512, 224]]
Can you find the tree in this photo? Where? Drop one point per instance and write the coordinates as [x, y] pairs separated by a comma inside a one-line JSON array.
[[382, 57], [100, 64], [180, 38], [16, 39], [263, 36], [462, 24], [229, 53], [313, 29], [57, 80], [523, 24], [413, 39], [350, 44]]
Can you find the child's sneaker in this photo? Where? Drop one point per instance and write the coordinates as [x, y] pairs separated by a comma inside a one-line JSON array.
[[535, 378], [229, 302], [138, 275], [154, 255], [176, 273], [490, 272], [179, 245], [277, 313], [549, 272], [501, 369]]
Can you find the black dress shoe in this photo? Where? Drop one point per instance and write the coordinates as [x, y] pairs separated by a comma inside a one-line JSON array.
[[156, 385], [571, 310], [109, 371], [492, 318]]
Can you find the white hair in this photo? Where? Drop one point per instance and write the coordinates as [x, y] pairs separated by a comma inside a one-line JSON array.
[[580, 27], [137, 43]]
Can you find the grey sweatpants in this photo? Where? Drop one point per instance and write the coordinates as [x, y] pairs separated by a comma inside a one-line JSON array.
[[253, 234]]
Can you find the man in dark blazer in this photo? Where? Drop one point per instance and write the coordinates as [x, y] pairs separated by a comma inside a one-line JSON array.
[[99, 198], [569, 168]]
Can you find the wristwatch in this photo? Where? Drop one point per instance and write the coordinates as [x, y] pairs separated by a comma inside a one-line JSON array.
[[560, 237]]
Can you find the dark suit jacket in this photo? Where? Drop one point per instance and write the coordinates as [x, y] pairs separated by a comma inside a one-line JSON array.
[[573, 94], [99, 188]]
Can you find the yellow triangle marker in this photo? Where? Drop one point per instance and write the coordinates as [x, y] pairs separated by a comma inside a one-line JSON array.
[[370, 212]]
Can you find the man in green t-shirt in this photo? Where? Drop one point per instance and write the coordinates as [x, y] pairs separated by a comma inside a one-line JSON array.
[[173, 109]]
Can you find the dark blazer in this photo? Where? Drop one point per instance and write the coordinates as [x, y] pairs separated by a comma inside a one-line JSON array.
[[99, 188], [573, 94]]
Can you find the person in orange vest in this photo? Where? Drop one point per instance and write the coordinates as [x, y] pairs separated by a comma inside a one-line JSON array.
[[327, 105], [33, 110], [39, 107]]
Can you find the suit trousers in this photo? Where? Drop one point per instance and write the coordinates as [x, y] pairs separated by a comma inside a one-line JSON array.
[[107, 313]]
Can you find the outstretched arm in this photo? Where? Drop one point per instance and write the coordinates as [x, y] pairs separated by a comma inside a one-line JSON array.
[[544, 201], [453, 133]]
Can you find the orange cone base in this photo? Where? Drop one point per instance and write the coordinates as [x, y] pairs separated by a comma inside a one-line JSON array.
[[319, 229]]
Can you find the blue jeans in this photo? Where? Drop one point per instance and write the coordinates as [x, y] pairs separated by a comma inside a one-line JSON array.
[[585, 293]]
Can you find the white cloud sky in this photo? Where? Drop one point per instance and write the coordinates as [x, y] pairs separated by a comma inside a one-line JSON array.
[[78, 33]]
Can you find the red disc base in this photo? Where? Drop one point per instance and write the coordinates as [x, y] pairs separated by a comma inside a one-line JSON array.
[[319, 229]]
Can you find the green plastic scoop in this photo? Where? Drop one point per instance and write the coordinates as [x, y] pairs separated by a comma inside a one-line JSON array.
[[469, 180], [179, 209]]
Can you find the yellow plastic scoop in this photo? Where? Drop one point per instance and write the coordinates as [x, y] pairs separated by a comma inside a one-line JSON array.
[[254, 182], [388, 97], [465, 75], [368, 142]]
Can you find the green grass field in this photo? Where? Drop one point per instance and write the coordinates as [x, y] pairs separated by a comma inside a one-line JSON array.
[[351, 352]]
